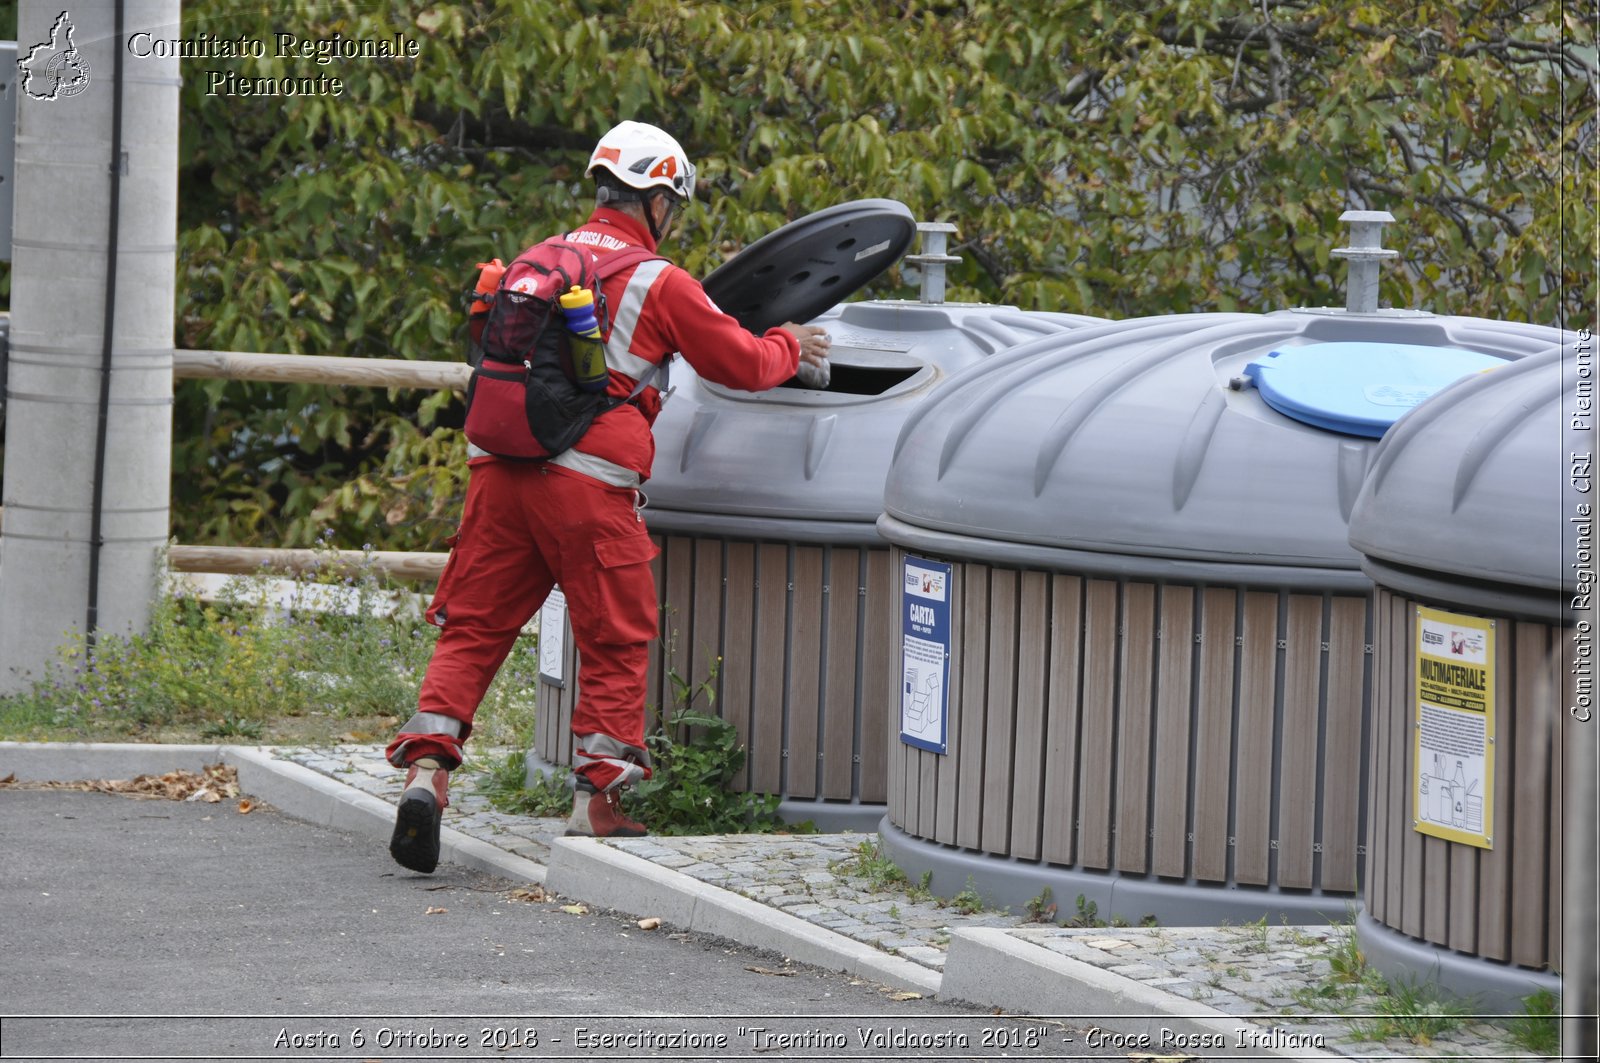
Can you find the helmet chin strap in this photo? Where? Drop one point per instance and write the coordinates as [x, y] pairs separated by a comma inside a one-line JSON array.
[[604, 195], [650, 217]]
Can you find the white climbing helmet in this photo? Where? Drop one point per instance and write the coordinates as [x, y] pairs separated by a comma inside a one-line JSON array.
[[644, 157]]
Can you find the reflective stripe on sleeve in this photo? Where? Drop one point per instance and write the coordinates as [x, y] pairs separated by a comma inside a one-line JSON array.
[[619, 345]]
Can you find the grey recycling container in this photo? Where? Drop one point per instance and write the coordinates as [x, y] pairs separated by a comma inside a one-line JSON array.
[[774, 583], [772, 574], [1129, 545], [1467, 524]]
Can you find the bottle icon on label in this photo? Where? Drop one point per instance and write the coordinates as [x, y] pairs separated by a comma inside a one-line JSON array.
[[588, 350]]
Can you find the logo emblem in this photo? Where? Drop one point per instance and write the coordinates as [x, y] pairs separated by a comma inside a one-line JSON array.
[[54, 69]]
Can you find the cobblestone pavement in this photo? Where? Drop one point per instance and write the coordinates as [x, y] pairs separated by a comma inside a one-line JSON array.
[[1282, 977]]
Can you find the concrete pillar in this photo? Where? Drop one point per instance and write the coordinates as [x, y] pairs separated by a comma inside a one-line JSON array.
[[60, 283]]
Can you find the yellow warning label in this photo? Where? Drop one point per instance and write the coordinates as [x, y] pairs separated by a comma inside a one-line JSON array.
[[1453, 780]]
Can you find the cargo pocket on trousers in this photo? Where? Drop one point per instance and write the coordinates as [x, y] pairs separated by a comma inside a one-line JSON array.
[[627, 589]]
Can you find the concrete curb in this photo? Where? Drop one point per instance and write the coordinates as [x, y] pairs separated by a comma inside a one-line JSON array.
[[610, 878], [994, 968], [75, 761], [316, 798]]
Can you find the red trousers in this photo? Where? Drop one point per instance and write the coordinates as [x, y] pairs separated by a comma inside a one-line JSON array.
[[525, 528]]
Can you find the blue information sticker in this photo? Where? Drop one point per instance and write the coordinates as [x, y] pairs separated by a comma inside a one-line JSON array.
[[925, 653]]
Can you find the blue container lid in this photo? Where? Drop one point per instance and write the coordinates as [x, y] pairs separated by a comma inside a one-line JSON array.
[[1359, 388]]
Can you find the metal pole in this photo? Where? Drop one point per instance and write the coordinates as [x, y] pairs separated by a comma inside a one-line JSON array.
[[933, 259], [1365, 252], [61, 303]]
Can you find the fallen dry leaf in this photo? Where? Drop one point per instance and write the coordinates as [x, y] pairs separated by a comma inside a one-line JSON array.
[[905, 995], [575, 909], [246, 806], [436, 911], [769, 970], [651, 923], [217, 782], [531, 894]]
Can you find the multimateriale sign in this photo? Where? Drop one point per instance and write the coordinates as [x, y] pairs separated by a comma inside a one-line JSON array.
[[1454, 723]]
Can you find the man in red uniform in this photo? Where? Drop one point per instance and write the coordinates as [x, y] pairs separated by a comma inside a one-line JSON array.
[[575, 519]]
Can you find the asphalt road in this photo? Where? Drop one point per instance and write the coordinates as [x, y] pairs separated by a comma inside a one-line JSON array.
[[167, 930]]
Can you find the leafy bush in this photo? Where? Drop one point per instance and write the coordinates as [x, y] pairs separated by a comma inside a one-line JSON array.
[[1110, 159], [252, 667], [696, 757]]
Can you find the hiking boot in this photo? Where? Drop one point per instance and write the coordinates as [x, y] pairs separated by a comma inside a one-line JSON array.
[[415, 843], [599, 815]]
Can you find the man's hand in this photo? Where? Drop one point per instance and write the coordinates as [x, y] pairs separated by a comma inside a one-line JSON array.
[[814, 344]]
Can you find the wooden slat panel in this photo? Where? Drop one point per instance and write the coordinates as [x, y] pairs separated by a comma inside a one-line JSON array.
[[974, 705], [1495, 865], [1411, 849], [772, 640], [572, 692], [1378, 782], [1170, 849], [676, 632], [1399, 729], [1462, 932], [917, 817], [947, 804], [567, 696], [880, 702], [1258, 693], [1529, 793], [1298, 749], [1134, 727], [705, 622], [1341, 752], [879, 628], [654, 678], [805, 672], [738, 651], [1214, 737], [1436, 898], [1096, 785], [841, 682], [928, 765], [999, 719], [546, 716], [1027, 786], [1061, 716]]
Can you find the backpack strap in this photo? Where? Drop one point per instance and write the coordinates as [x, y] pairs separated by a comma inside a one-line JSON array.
[[617, 261]]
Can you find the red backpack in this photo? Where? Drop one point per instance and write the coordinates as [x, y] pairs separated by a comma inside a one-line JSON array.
[[523, 398]]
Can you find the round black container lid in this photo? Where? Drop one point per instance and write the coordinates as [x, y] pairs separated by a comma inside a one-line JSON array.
[[801, 270]]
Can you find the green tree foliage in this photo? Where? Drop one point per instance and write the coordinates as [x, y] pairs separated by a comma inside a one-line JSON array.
[[1106, 158]]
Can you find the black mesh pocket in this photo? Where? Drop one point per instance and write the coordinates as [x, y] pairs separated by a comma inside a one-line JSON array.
[[515, 322]]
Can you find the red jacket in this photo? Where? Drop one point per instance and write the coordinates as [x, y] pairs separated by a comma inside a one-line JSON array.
[[675, 316]]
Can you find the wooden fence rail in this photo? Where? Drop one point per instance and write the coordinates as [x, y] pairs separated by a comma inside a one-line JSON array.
[[249, 560], [311, 369], [318, 369]]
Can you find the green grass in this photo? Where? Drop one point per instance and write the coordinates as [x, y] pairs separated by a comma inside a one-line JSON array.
[[242, 668], [868, 862], [247, 668], [503, 780], [1539, 1028], [1416, 1012]]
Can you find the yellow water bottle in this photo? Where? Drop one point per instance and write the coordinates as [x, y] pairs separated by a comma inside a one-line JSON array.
[[588, 349]]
